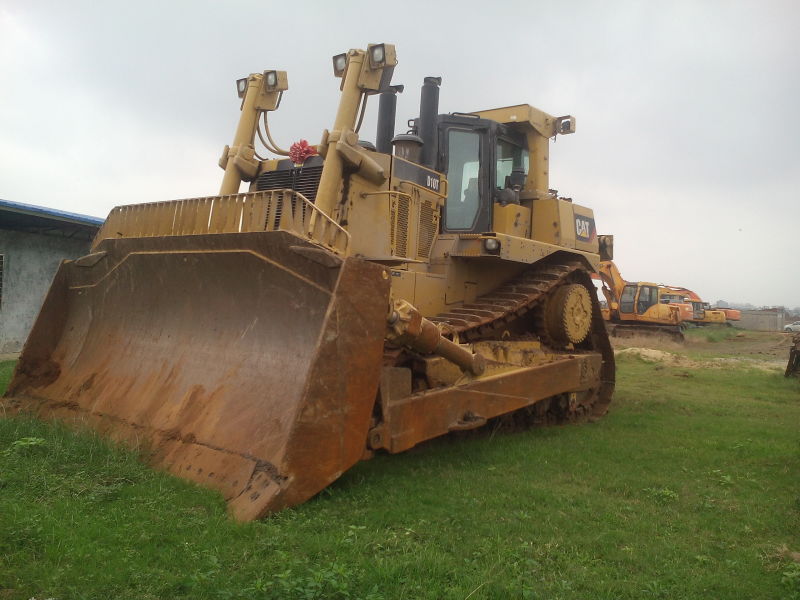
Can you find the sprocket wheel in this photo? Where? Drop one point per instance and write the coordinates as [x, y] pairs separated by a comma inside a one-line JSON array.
[[568, 314]]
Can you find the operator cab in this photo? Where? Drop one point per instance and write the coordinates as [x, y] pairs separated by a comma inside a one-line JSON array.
[[485, 162], [638, 298]]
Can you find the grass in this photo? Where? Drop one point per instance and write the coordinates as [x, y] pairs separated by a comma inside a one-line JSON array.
[[687, 489], [711, 333], [6, 369]]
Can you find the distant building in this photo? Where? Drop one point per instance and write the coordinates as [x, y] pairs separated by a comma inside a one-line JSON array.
[[33, 242], [770, 319]]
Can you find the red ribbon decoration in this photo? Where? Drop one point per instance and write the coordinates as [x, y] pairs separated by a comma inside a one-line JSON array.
[[300, 151]]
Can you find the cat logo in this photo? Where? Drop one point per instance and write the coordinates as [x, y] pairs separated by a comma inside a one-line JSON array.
[[584, 229]]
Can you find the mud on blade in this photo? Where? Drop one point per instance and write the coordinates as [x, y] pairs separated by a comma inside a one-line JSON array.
[[246, 362]]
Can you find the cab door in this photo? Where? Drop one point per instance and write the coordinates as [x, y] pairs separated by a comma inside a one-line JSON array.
[[467, 206], [648, 296], [627, 299]]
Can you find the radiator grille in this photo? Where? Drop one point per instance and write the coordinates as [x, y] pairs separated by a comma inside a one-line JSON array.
[[428, 226], [300, 179], [393, 225], [401, 227], [414, 226]]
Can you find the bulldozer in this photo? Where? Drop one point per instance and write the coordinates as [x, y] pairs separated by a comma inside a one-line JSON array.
[[639, 308], [357, 298]]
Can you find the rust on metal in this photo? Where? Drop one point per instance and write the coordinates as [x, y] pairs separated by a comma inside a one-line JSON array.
[[529, 294], [413, 418], [555, 380], [407, 327], [245, 362]]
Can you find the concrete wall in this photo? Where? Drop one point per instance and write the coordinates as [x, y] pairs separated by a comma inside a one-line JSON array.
[[761, 320], [29, 262]]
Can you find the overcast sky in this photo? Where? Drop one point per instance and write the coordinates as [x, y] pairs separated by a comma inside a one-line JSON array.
[[688, 130]]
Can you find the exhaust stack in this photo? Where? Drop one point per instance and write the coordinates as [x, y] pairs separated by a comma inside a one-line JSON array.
[[428, 111], [387, 112]]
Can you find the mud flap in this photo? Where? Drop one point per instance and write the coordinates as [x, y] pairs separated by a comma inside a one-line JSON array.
[[246, 362]]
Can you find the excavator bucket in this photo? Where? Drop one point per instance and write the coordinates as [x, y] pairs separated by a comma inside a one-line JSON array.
[[247, 362]]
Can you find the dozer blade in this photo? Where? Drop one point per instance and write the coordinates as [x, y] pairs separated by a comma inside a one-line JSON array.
[[247, 362]]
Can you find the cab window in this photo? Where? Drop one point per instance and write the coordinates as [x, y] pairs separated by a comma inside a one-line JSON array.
[[627, 298], [463, 168], [648, 296], [509, 157]]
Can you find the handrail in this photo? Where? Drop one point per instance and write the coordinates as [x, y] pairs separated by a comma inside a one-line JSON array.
[[389, 193]]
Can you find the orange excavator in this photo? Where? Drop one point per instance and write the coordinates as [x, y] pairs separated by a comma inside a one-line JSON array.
[[701, 312], [639, 307], [731, 314]]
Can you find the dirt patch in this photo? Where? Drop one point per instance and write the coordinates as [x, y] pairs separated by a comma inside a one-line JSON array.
[[653, 355], [646, 341], [784, 553], [757, 344], [763, 350]]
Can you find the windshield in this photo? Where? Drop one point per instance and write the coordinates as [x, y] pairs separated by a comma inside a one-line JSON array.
[[672, 298]]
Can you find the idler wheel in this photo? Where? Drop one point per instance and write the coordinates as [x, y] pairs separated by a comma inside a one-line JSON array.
[[568, 315]]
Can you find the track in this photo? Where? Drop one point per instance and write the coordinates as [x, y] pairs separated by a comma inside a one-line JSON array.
[[672, 333], [517, 307]]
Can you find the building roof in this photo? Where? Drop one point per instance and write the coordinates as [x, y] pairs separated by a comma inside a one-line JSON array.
[[47, 221]]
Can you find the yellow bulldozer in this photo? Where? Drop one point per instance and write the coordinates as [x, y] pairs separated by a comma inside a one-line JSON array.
[[356, 298]]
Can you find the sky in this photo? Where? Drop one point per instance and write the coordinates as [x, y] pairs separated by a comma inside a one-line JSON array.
[[688, 130]]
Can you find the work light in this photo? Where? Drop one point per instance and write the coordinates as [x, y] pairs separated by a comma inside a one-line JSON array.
[[241, 86], [339, 64], [276, 81], [377, 55]]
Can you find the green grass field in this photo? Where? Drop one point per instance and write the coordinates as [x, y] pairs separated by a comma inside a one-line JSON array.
[[687, 489]]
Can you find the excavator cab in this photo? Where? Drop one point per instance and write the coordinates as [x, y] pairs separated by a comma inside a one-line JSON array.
[[636, 298], [699, 310]]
